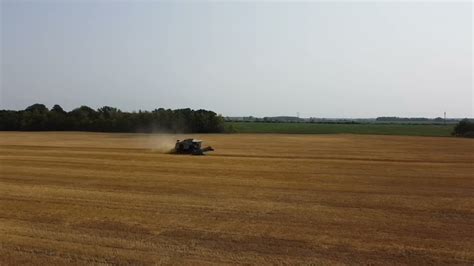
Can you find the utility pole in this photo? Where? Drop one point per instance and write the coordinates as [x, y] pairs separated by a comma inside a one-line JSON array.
[[445, 118]]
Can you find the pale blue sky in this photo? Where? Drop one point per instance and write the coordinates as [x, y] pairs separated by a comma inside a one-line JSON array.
[[321, 59]]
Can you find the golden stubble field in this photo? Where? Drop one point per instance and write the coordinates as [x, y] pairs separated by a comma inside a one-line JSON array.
[[91, 198]]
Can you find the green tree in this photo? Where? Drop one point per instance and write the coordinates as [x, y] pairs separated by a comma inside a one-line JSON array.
[[464, 128], [82, 118], [34, 118], [57, 118]]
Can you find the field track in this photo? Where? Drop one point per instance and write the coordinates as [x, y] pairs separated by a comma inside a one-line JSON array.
[[82, 198]]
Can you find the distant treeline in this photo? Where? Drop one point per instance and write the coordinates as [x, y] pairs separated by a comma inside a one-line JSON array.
[[410, 119], [379, 120], [109, 119], [303, 121], [289, 119]]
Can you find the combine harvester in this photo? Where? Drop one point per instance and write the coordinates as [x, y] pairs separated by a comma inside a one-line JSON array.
[[190, 146]]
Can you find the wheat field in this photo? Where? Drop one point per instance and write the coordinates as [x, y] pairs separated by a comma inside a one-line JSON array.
[[93, 198]]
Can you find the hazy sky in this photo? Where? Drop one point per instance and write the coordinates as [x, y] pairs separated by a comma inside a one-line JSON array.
[[321, 59]]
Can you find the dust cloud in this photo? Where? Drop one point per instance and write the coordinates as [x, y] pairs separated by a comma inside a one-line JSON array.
[[162, 143]]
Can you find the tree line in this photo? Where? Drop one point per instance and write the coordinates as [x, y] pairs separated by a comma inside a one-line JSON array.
[[38, 117], [437, 120], [406, 119]]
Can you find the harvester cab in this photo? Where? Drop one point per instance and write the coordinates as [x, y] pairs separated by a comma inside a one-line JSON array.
[[191, 146]]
